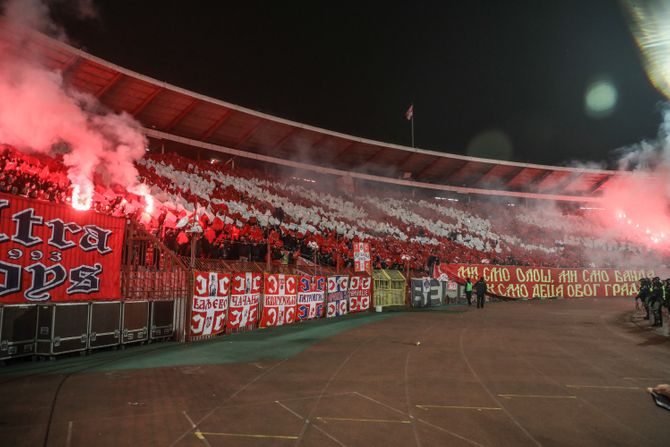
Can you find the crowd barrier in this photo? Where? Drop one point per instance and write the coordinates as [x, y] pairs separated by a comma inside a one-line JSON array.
[[389, 288]]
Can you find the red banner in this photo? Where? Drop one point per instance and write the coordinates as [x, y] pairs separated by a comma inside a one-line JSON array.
[[311, 296], [245, 295], [54, 253], [360, 293], [541, 282], [338, 297], [210, 303], [279, 300]]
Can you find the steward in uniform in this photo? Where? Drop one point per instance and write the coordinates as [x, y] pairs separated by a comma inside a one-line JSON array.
[[643, 295], [468, 291], [481, 288], [656, 299]]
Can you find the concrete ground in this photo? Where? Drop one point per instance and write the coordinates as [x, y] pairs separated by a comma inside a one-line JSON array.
[[564, 372]]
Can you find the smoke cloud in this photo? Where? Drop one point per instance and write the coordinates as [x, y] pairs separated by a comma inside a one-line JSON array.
[[40, 113], [634, 204]]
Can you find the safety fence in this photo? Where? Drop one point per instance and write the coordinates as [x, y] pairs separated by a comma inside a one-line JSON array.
[[163, 298], [106, 281]]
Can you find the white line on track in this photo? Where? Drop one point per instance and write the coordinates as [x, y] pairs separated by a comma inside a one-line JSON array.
[[68, 440], [232, 396], [491, 395], [325, 387], [437, 427], [592, 365], [316, 427]]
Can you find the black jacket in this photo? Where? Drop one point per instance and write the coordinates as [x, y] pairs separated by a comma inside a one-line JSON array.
[[480, 287]]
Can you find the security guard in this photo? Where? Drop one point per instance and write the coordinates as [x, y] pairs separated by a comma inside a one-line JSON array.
[[643, 295], [468, 291], [656, 300], [481, 288]]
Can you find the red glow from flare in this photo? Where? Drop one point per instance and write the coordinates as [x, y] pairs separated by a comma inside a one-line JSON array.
[[80, 202], [653, 233], [149, 207]]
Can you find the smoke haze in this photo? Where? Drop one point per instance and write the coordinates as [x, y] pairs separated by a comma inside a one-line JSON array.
[[39, 112]]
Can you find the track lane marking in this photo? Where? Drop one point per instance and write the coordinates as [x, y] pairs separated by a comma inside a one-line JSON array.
[[429, 424], [607, 387], [68, 440], [458, 407], [229, 398], [329, 382], [582, 399], [408, 400], [374, 421], [490, 393], [197, 433], [331, 437], [643, 378], [536, 396], [201, 435]]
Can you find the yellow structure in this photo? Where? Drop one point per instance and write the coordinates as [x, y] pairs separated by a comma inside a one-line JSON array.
[[390, 288]]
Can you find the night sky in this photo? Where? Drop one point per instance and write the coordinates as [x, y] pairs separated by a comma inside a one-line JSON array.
[[518, 67]]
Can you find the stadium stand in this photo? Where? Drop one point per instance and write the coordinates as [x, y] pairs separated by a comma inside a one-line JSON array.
[[238, 213]]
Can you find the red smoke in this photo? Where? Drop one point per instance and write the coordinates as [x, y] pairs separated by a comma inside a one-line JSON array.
[[637, 201], [39, 113]]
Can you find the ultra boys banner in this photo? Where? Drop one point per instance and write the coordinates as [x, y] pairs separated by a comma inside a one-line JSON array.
[[535, 282], [210, 303], [52, 252]]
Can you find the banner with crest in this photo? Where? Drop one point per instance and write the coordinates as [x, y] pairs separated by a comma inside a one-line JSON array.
[[279, 300], [210, 303], [311, 297], [338, 295], [360, 293], [245, 295]]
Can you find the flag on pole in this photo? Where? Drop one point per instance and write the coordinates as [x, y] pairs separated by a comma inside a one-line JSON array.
[[410, 112]]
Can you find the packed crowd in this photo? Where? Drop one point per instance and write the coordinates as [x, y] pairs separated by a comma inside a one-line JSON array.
[[242, 213]]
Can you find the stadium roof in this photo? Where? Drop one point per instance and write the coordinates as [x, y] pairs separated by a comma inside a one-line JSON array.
[[172, 113]]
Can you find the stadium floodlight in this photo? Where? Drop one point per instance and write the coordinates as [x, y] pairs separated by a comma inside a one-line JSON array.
[[649, 22]]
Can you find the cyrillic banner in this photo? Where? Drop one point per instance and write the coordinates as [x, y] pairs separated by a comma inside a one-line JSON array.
[[279, 300], [51, 252], [311, 296], [542, 282], [245, 294], [210, 303], [337, 297], [360, 293]]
